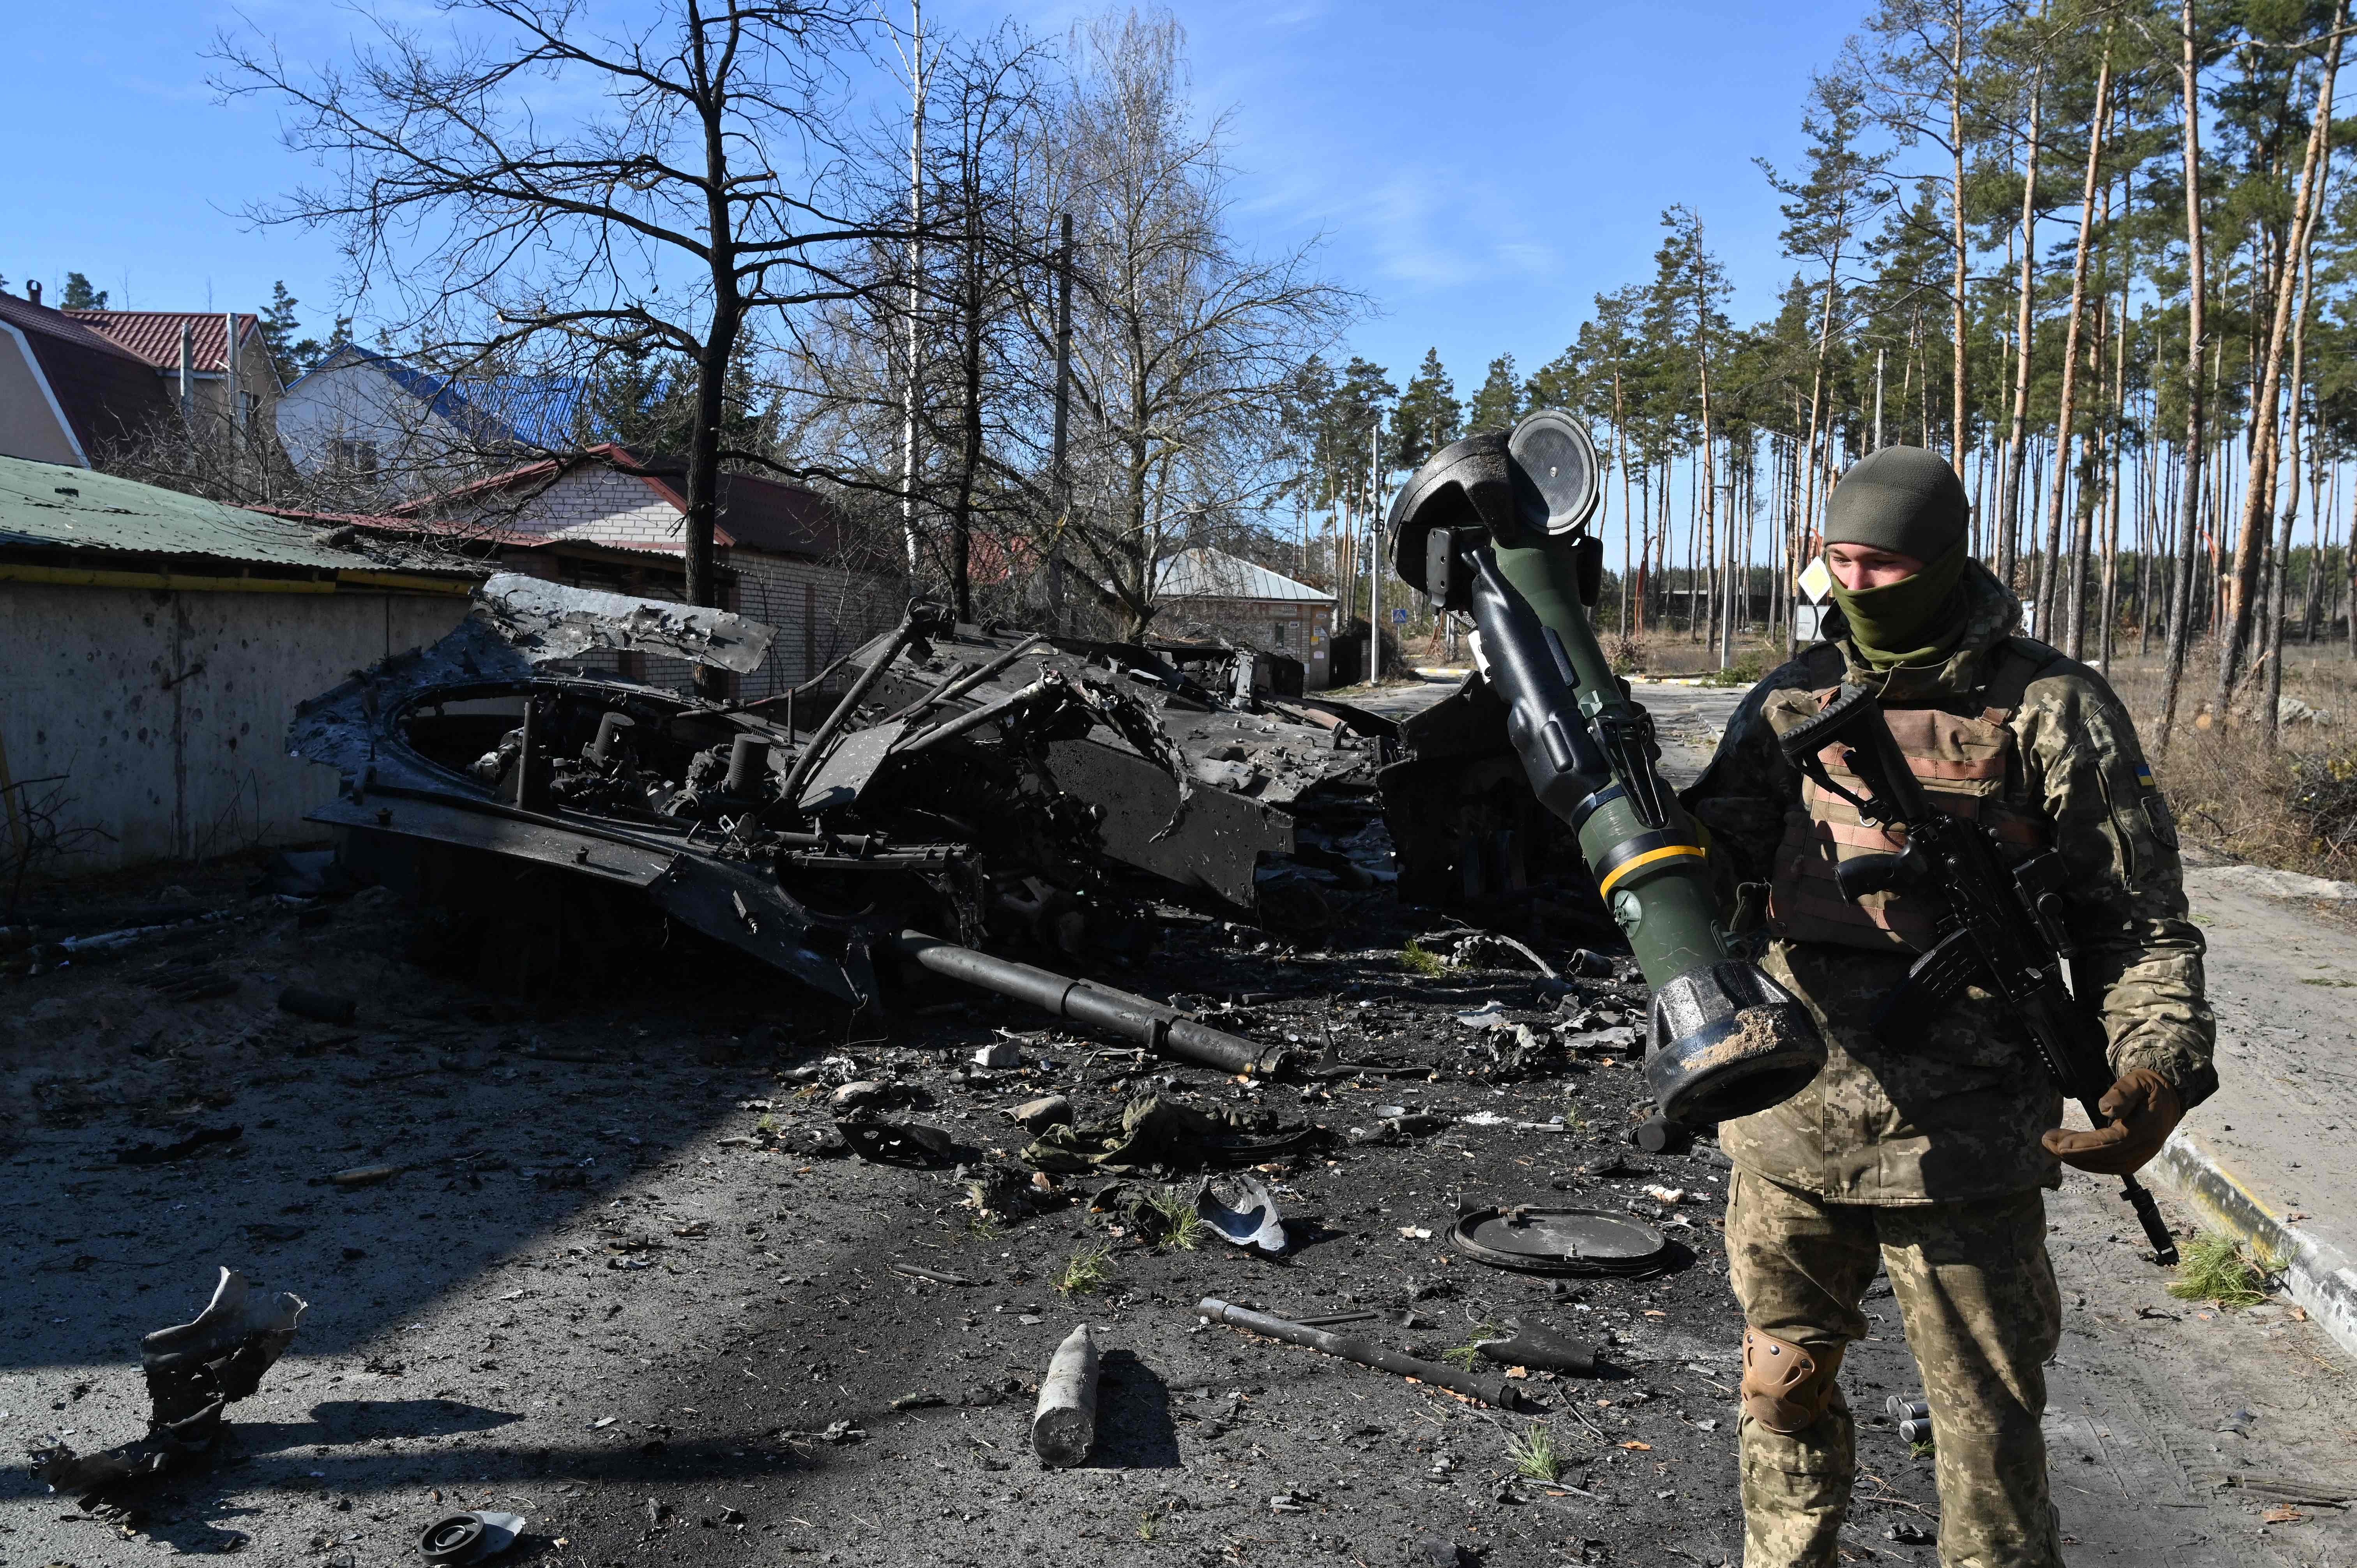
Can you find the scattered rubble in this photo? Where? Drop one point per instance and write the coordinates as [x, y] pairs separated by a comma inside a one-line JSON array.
[[1543, 1238], [1489, 1390], [1250, 1218], [195, 1371], [471, 1537]]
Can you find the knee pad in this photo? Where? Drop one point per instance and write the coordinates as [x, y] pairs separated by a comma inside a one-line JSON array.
[[1786, 1387]]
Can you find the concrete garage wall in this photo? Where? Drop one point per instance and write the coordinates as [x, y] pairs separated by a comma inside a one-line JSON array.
[[165, 711]]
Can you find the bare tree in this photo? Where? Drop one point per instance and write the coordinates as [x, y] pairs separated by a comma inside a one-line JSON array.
[[1182, 346], [1823, 214], [691, 182], [949, 351], [2287, 470], [1920, 68]]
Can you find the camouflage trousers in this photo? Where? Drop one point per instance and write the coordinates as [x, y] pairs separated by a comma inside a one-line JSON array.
[[1983, 1318]]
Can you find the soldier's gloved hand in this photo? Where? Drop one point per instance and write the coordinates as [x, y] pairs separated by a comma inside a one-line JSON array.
[[2144, 1111]]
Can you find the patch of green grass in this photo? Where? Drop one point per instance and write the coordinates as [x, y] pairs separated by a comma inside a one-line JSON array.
[[1744, 671], [1533, 1453], [1183, 1229], [1149, 1528], [767, 1126], [1468, 1355], [2215, 1270], [1086, 1271], [1417, 959], [1919, 1450]]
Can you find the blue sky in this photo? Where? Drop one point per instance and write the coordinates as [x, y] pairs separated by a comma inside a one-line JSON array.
[[1478, 170]]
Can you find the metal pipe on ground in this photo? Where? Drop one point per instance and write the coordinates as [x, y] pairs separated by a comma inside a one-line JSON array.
[[1490, 1391], [1151, 1023]]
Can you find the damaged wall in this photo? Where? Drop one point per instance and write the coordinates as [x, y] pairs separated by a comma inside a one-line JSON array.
[[159, 716]]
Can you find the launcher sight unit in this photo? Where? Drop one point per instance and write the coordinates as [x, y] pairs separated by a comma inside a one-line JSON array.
[[1496, 526]]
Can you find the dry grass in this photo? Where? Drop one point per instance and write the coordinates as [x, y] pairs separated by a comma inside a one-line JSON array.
[[2214, 1270], [2229, 790], [1087, 1271]]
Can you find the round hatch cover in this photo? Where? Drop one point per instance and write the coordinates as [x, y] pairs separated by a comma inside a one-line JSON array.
[[1559, 1240]]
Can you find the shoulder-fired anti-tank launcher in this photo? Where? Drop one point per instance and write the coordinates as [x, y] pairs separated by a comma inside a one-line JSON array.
[[1496, 526], [2000, 926]]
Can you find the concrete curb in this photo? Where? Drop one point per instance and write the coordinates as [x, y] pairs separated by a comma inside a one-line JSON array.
[[2317, 1274]]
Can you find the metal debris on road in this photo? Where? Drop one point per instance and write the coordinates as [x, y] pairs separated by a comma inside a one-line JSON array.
[[1251, 1221], [1062, 792], [470, 1537], [1064, 1423], [1543, 1239], [164, 1153], [1489, 1390], [1536, 1345], [195, 1371]]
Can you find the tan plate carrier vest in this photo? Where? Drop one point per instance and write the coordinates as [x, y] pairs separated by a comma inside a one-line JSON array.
[[1963, 764]]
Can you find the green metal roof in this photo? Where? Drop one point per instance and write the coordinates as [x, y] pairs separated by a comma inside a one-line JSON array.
[[46, 506]]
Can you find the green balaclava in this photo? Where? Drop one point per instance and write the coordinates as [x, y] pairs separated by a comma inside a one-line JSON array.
[[1908, 501]]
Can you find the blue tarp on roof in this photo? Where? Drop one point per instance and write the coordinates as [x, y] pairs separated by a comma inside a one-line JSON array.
[[537, 412]]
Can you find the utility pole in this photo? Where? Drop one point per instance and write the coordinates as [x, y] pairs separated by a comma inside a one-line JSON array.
[[1878, 352], [189, 378], [1063, 423], [235, 429], [916, 286]]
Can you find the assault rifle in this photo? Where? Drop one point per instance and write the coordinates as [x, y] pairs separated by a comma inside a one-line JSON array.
[[2001, 927]]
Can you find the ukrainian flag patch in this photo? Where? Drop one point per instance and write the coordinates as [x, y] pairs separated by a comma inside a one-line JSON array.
[[2143, 776]]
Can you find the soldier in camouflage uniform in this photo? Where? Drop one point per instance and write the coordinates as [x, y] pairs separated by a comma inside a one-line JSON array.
[[1927, 1159]]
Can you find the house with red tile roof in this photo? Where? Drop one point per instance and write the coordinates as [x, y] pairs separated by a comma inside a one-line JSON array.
[[77, 386], [211, 363]]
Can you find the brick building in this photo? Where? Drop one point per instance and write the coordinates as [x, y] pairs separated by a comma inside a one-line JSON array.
[[1251, 606], [606, 518]]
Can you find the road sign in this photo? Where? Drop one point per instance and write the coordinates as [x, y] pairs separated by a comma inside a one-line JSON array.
[[1399, 617]]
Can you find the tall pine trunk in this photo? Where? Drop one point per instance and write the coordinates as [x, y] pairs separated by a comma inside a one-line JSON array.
[[2097, 123], [2311, 202], [2026, 297], [2259, 493], [2197, 286], [1960, 236]]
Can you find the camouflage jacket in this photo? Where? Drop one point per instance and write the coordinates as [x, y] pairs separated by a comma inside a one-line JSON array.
[[1958, 1115]]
